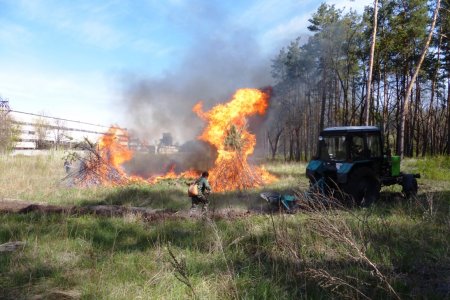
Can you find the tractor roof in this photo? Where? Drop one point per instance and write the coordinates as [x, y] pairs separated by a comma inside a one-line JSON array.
[[349, 129]]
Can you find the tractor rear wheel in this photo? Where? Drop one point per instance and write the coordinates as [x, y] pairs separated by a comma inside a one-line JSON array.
[[409, 185], [363, 187]]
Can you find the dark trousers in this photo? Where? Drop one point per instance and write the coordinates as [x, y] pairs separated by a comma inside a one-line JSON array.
[[200, 199]]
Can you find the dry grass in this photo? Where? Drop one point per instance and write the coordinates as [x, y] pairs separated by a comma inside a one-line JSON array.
[[23, 176], [394, 248]]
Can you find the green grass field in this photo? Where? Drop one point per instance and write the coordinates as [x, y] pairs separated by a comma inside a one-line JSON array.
[[394, 249]]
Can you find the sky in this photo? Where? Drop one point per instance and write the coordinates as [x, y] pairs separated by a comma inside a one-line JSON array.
[[102, 61]]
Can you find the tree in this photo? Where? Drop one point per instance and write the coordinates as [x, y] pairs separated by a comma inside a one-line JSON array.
[[413, 80], [41, 128], [372, 52], [59, 132], [326, 82], [9, 130]]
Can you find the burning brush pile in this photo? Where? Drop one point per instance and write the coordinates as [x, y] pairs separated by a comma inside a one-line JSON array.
[[226, 130], [101, 163]]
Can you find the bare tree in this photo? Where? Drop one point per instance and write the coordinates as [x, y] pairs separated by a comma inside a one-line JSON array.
[[274, 136], [372, 51], [59, 132], [9, 131], [41, 128]]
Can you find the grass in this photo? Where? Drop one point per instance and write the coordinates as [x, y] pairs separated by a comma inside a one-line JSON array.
[[261, 256], [434, 168]]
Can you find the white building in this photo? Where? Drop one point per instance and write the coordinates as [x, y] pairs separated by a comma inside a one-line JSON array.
[[56, 131]]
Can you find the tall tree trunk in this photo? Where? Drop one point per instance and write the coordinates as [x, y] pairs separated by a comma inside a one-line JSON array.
[[398, 112], [363, 103], [413, 79], [385, 108], [298, 150], [291, 145], [415, 131], [372, 52], [353, 104], [448, 115], [324, 99], [273, 143], [426, 132], [308, 126]]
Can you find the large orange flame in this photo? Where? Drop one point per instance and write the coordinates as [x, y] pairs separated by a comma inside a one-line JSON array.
[[227, 131]]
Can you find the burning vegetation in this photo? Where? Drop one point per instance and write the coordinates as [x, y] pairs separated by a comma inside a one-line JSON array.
[[102, 163], [226, 130]]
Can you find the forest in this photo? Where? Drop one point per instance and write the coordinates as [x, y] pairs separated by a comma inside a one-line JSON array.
[[331, 79]]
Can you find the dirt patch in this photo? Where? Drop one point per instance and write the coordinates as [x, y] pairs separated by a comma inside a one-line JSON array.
[[12, 205], [148, 214]]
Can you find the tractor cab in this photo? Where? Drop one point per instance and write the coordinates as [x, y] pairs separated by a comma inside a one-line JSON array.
[[350, 144], [341, 150]]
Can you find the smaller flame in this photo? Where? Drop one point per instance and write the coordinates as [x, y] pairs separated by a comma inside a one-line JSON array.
[[171, 174], [113, 146]]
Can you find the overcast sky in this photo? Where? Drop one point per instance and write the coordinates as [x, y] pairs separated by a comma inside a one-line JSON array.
[[71, 59]]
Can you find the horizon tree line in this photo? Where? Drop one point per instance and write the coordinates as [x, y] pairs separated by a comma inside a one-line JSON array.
[[326, 80]]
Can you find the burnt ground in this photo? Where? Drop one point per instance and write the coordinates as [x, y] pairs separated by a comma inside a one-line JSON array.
[[24, 207]]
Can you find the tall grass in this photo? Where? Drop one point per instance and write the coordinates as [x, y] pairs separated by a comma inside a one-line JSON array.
[[430, 167], [251, 258], [317, 254]]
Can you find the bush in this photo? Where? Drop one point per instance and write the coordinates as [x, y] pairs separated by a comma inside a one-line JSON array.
[[437, 167], [9, 133]]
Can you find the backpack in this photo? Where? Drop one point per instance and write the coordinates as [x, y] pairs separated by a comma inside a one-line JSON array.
[[193, 189]]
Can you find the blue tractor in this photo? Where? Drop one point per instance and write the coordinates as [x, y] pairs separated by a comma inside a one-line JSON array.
[[352, 164]]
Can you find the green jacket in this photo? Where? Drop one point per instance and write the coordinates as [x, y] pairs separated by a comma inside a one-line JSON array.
[[203, 185]]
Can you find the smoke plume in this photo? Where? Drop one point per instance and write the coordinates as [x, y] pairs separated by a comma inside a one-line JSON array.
[[222, 58]]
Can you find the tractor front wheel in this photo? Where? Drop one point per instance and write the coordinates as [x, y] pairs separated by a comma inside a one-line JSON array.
[[363, 187]]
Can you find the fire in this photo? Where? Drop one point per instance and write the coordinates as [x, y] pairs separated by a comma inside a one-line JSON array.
[[105, 165], [113, 147], [171, 174], [227, 131], [102, 164]]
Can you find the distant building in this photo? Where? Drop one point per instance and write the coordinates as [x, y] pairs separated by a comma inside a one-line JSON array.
[[37, 132], [167, 149], [166, 140], [166, 145], [136, 144]]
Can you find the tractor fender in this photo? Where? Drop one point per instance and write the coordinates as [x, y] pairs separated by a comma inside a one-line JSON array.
[[314, 169], [343, 170]]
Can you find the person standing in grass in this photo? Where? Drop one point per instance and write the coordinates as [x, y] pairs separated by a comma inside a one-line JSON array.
[[67, 166], [204, 189]]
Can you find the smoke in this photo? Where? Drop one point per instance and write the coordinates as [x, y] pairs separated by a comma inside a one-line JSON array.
[[193, 155], [222, 59]]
